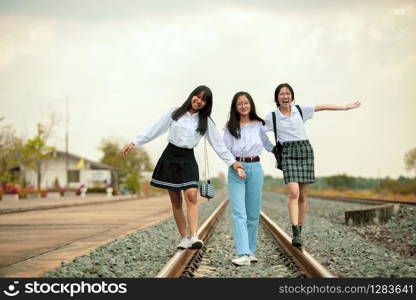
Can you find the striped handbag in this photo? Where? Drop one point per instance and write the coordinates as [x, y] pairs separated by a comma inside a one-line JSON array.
[[206, 189]]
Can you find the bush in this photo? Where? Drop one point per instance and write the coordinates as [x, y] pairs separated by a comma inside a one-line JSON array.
[[10, 188], [340, 182], [403, 187], [97, 190], [43, 193], [133, 184], [28, 190], [56, 188]]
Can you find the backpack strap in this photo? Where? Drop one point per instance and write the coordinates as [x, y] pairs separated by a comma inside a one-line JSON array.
[[300, 110], [277, 150], [274, 126]]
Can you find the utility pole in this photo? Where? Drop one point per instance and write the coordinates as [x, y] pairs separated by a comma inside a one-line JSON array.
[[66, 143]]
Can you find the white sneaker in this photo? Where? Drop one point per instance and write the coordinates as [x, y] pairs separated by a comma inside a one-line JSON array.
[[185, 243], [195, 242], [253, 258], [243, 260]]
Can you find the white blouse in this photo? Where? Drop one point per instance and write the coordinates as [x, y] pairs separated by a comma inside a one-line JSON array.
[[251, 143], [290, 128], [182, 133]]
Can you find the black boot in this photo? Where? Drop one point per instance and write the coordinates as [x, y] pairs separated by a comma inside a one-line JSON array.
[[300, 229], [296, 240]]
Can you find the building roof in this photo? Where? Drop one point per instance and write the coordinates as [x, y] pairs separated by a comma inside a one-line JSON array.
[[93, 165]]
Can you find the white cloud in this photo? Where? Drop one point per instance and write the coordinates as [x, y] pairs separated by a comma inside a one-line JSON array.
[[23, 36], [122, 72]]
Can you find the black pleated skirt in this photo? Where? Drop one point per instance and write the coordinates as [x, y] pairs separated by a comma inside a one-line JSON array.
[[176, 169]]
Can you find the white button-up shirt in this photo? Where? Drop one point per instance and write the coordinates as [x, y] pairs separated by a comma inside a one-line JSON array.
[[290, 128], [182, 133], [251, 143]]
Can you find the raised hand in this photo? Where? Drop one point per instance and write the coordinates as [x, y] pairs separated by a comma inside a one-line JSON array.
[[353, 105], [126, 149]]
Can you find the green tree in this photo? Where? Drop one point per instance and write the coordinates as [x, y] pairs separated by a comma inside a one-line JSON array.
[[128, 168], [340, 182], [36, 151], [410, 160], [10, 149], [132, 183]]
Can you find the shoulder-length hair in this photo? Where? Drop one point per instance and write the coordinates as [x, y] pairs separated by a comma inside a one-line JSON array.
[[277, 91], [203, 114], [233, 123]]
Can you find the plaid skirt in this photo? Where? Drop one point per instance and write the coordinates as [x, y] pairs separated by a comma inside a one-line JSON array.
[[298, 162], [176, 169]]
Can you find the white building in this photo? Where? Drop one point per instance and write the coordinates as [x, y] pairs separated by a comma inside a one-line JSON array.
[[80, 171]]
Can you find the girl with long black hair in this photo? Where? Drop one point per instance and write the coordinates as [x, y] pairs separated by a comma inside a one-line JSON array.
[[177, 169], [245, 137]]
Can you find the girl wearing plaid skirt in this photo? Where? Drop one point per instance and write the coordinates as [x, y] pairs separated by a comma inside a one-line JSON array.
[[177, 169], [297, 159], [245, 137]]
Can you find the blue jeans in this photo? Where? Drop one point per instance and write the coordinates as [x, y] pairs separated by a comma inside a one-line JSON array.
[[245, 196]]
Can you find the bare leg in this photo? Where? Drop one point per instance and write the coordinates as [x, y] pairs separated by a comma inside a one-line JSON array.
[[192, 205], [293, 202], [176, 200], [302, 202]]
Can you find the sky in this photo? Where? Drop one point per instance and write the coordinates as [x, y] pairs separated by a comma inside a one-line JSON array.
[[122, 64]]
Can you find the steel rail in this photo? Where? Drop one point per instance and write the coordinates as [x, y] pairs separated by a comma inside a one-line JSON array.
[[310, 266], [359, 200], [178, 262], [362, 200]]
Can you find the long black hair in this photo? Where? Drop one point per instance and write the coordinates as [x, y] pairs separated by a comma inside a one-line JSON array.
[[277, 91], [204, 113], [233, 124]]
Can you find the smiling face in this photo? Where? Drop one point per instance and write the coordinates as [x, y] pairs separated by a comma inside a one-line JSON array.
[[284, 97], [197, 102], [243, 105]]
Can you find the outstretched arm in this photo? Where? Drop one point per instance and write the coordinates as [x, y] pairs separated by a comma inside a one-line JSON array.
[[150, 133], [337, 107]]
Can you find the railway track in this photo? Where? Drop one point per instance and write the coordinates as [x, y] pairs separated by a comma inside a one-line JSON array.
[[362, 200], [285, 260]]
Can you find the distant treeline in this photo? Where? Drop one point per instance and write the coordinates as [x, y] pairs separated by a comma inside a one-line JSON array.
[[401, 185]]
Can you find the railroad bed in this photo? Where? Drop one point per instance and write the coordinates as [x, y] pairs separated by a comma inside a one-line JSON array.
[[337, 246], [340, 248], [277, 258]]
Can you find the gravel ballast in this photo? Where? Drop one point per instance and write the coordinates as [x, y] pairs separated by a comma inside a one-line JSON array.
[[339, 247], [345, 251], [221, 250], [140, 254]]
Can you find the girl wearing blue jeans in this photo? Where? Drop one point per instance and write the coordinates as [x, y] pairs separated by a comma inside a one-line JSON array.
[[245, 137]]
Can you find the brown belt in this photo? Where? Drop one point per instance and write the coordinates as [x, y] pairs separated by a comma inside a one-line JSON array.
[[248, 159]]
